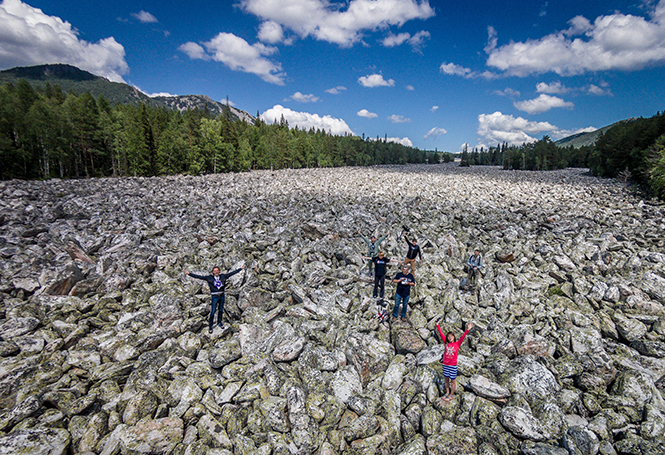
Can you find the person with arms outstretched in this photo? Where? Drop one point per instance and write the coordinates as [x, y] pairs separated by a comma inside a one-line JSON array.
[[217, 284], [449, 358], [372, 248], [412, 253], [380, 267]]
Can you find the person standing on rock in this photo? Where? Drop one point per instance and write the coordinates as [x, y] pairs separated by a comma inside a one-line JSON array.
[[404, 281], [372, 248], [473, 264], [412, 253], [449, 358], [217, 284], [380, 265]]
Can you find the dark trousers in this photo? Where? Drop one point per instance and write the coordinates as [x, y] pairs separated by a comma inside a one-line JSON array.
[[217, 304], [379, 283]]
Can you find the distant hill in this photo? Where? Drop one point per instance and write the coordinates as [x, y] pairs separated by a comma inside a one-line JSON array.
[[70, 78], [582, 139]]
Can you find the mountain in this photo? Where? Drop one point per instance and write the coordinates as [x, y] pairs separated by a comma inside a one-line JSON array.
[[581, 139], [70, 78]]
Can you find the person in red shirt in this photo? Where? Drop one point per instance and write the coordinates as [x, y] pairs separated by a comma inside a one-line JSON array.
[[449, 358]]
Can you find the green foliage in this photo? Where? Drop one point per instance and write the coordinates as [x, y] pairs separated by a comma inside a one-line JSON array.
[[45, 133], [555, 290], [656, 177]]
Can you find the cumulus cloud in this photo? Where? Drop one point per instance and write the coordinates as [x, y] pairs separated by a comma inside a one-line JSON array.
[[453, 69], [302, 98], [416, 41], [509, 92], [238, 55], [498, 127], [401, 140], [433, 109], [331, 22], [600, 91], [365, 113], [30, 37], [410, 88], [305, 120], [375, 80], [613, 42], [271, 32], [435, 132], [555, 88], [145, 17], [336, 90], [398, 140], [542, 104], [398, 119]]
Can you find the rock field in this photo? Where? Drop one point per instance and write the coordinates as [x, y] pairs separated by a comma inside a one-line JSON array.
[[104, 346]]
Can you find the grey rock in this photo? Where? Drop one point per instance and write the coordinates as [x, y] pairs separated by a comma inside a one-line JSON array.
[[37, 441]]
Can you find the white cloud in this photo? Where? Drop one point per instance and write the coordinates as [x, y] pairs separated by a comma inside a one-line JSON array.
[[341, 24], [271, 32], [600, 91], [398, 119], [555, 88], [30, 37], [302, 98], [542, 104], [410, 88], [453, 69], [305, 120], [398, 140], [154, 95], [498, 127], [614, 42], [395, 40], [416, 41], [145, 17], [194, 51], [433, 109], [435, 132], [365, 113], [509, 92], [404, 141], [375, 80], [238, 55], [336, 90]]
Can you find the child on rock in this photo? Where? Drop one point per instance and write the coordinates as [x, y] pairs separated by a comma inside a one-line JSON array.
[[449, 358]]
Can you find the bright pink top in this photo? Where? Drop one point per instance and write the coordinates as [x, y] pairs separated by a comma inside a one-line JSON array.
[[450, 354]]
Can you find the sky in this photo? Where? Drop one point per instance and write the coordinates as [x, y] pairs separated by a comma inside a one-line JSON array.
[[429, 74]]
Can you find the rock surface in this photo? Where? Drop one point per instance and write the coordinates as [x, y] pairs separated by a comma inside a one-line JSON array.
[[104, 346]]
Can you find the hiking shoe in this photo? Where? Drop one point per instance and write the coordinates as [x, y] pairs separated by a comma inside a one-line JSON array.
[[209, 330]]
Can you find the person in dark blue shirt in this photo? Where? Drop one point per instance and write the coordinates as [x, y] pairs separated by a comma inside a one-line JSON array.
[[380, 264], [404, 281], [217, 284]]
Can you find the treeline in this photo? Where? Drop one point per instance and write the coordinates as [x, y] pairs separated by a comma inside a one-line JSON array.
[[542, 155], [633, 149], [47, 133]]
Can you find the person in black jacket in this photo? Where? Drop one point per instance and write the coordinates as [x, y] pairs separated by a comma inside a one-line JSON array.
[[380, 262], [217, 284]]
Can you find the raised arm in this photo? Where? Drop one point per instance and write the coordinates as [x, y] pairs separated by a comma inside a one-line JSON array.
[[443, 338]]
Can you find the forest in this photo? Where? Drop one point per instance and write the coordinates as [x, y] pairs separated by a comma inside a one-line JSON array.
[[631, 150], [46, 133]]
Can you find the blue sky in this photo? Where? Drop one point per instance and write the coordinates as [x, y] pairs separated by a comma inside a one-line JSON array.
[[429, 74]]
